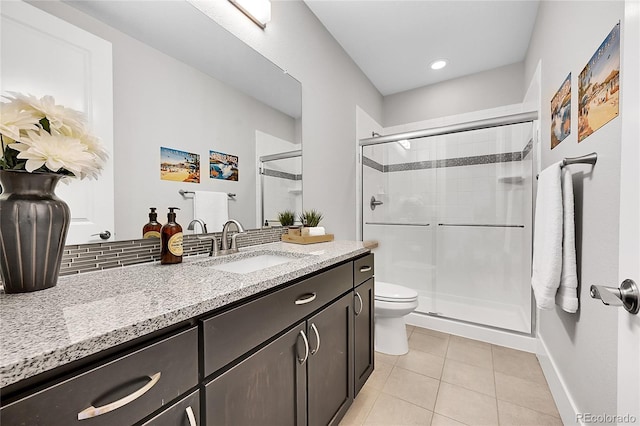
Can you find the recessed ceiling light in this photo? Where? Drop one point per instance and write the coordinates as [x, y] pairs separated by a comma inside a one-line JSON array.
[[439, 64]]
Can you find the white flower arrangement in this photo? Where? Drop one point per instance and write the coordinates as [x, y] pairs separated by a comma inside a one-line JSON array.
[[39, 136]]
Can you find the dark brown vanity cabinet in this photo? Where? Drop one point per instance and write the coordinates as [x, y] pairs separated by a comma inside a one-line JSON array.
[[185, 412], [302, 377], [363, 333], [120, 392], [292, 356], [305, 376], [267, 388], [363, 305], [330, 363]]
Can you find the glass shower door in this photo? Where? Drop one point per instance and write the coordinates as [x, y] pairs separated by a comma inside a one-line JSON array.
[[452, 217], [483, 235], [399, 212]]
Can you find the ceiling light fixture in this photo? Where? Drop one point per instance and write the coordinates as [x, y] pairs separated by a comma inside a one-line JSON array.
[[259, 11], [439, 64]]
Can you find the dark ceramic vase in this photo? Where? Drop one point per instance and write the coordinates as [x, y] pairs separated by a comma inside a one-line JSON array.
[[33, 229]]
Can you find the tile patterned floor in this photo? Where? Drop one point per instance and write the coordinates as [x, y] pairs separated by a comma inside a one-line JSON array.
[[449, 380]]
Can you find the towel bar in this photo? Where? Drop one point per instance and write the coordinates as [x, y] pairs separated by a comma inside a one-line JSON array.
[[184, 193], [584, 159]]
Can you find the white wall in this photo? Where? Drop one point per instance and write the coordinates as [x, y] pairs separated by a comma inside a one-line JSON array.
[[582, 346], [160, 101], [332, 86], [484, 90]]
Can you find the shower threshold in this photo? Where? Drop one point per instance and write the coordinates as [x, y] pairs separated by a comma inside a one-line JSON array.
[[499, 315]]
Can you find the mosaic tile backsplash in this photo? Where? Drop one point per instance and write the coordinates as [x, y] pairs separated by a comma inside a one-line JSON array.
[[98, 256]]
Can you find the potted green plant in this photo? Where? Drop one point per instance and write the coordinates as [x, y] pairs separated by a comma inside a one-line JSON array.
[[310, 220], [286, 218]]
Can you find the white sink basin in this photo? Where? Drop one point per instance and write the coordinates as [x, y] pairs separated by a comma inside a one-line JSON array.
[[252, 264]]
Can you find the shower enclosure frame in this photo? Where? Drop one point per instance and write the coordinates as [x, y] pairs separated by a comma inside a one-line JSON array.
[[505, 120], [266, 159]]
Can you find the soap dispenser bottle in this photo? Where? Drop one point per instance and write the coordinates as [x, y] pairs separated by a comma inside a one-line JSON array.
[[171, 248], [152, 229]]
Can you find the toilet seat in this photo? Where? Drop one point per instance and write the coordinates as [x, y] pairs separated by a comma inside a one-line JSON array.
[[394, 293]]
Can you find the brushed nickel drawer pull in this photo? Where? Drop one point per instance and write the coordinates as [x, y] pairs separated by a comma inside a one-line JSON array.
[[365, 268], [306, 348], [191, 417], [92, 411], [306, 298], [361, 304], [315, 330]]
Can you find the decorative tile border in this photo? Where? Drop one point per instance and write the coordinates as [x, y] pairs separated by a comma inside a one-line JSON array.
[[283, 175], [81, 258], [455, 162], [527, 149], [451, 162], [373, 164]]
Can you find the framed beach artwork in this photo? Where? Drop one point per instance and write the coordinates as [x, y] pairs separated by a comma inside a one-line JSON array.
[[179, 166], [561, 113], [599, 86], [223, 166]]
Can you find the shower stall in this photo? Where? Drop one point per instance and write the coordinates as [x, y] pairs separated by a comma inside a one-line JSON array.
[[450, 208]]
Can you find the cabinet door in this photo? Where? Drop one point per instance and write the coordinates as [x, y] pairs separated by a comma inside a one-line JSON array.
[[363, 300], [268, 388], [185, 412], [330, 367]]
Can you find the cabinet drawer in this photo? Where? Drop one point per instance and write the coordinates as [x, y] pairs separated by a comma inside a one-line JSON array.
[[177, 414], [235, 332], [363, 269], [130, 387]]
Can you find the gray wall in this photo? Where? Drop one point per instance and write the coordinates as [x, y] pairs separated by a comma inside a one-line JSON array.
[[488, 89], [332, 86], [583, 346]]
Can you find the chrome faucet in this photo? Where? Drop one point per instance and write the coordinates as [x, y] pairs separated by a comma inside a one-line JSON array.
[[224, 244], [213, 251], [192, 227]]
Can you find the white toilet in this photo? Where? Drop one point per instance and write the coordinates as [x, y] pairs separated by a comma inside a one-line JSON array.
[[392, 303]]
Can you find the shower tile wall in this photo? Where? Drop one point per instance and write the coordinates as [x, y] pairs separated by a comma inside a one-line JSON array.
[[455, 265]]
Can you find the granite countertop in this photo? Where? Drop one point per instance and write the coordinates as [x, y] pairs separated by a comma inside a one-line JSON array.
[[90, 312]]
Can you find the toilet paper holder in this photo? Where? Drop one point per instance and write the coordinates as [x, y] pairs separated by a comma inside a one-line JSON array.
[[627, 295]]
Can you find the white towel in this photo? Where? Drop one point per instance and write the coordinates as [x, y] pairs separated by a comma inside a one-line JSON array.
[[212, 208], [553, 260], [567, 295]]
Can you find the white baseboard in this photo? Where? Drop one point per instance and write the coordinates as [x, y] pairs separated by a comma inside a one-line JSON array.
[[564, 402]]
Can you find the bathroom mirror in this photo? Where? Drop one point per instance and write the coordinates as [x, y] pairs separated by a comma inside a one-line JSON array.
[[184, 83]]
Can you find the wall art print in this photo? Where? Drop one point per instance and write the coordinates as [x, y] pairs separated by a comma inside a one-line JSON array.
[[599, 86], [179, 166], [561, 113], [223, 166]]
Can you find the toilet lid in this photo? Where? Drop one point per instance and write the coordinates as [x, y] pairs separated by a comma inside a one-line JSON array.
[[394, 293]]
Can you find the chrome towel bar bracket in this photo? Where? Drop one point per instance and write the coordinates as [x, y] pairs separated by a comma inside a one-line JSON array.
[[584, 159]]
